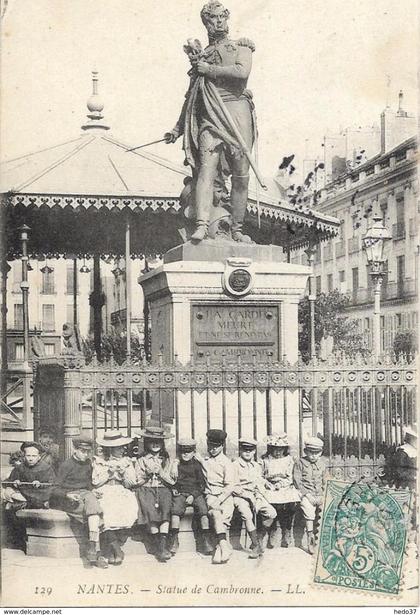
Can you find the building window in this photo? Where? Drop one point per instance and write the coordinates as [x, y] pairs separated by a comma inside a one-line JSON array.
[[355, 282], [18, 316], [342, 230], [19, 352], [70, 279], [398, 320], [318, 284], [69, 314], [400, 274], [48, 283], [49, 350], [384, 212], [48, 317], [355, 278], [330, 282], [342, 275]]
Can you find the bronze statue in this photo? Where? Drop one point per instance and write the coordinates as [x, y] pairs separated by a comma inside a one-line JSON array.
[[218, 122]]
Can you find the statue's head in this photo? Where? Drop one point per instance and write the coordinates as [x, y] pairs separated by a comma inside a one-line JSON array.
[[214, 16]]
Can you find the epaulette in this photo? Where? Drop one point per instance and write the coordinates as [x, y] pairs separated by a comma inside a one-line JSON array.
[[246, 42]]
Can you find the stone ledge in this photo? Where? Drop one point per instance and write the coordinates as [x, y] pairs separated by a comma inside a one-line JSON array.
[[214, 250]]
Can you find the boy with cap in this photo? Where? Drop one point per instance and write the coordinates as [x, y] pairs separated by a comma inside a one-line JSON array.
[[74, 494], [220, 482], [188, 490], [309, 478], [248, 498], [30, 480]]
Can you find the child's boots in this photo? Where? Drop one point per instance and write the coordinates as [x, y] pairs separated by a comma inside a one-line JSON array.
[[271, 536], [163, 555], [286, 538], [206, 546], [173, 542], [256, 548], [311, 542]]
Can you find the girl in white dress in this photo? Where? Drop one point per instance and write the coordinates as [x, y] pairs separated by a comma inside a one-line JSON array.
[[112, 477], [280, 491]]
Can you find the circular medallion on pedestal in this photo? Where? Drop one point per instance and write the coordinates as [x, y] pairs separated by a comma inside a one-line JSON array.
[[238, 279]]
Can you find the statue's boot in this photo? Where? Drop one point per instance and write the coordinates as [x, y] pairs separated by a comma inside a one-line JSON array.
[[238, 200], [239, 236], [200, 232]]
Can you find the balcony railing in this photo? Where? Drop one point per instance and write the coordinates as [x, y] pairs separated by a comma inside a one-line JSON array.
[[353, 244], [400, 288], [328, 252], [398, 231], [340, 249]]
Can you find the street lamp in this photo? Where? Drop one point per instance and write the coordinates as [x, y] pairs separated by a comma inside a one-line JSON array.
[[374, 245]]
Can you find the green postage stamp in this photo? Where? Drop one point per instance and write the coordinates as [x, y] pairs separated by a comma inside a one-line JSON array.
[[362, 538]]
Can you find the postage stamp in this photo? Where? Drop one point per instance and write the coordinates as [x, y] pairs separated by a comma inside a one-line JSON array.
[[363, 537]]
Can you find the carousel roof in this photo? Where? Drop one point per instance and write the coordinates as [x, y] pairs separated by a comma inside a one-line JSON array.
[[74, 196]]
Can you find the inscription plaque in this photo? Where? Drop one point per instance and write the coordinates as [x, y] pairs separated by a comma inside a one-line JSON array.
[[235, 329]]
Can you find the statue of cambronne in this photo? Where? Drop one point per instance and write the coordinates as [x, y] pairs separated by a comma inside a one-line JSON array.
[[217, 122]]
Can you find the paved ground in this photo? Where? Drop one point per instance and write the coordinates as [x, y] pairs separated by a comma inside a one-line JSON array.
[[281, 577]]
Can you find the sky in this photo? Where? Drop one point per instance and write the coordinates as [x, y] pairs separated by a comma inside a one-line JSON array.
[[319, 65]]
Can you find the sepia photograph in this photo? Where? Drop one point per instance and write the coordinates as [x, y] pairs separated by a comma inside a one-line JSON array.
[[210, 256]]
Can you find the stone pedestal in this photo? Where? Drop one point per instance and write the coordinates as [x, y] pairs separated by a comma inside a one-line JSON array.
[[51, 533], [218, 300]]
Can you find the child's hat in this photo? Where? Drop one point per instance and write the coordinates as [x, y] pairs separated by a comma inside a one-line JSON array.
[[187, 443], [410, 433], [216, 436], [277, 439], [314, 444], [247, 443], [112, 438], [154, 433], [82, 441]]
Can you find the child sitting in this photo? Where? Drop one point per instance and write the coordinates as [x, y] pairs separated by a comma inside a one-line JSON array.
[[248, 494], [220, 482], [74, 495], [309, 477], [188, 490], [153, 493], [113, 475], [30, 479], [278, 472]]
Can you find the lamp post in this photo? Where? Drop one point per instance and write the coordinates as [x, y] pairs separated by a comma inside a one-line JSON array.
[[27, 418], [25, 291], [310, 253], [374, 243]]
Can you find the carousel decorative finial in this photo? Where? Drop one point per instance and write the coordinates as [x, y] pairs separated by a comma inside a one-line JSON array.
[[95, 107]]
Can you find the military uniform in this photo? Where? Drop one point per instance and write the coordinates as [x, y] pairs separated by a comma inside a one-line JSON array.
[[210, 146]]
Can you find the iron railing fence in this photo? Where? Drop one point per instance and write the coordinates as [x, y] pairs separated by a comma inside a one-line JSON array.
[[359, 406]]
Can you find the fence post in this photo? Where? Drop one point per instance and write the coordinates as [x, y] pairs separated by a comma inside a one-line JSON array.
[[72, 409]]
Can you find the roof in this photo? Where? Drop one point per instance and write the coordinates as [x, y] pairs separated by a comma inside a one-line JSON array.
[[95, 164], [377, 159]]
